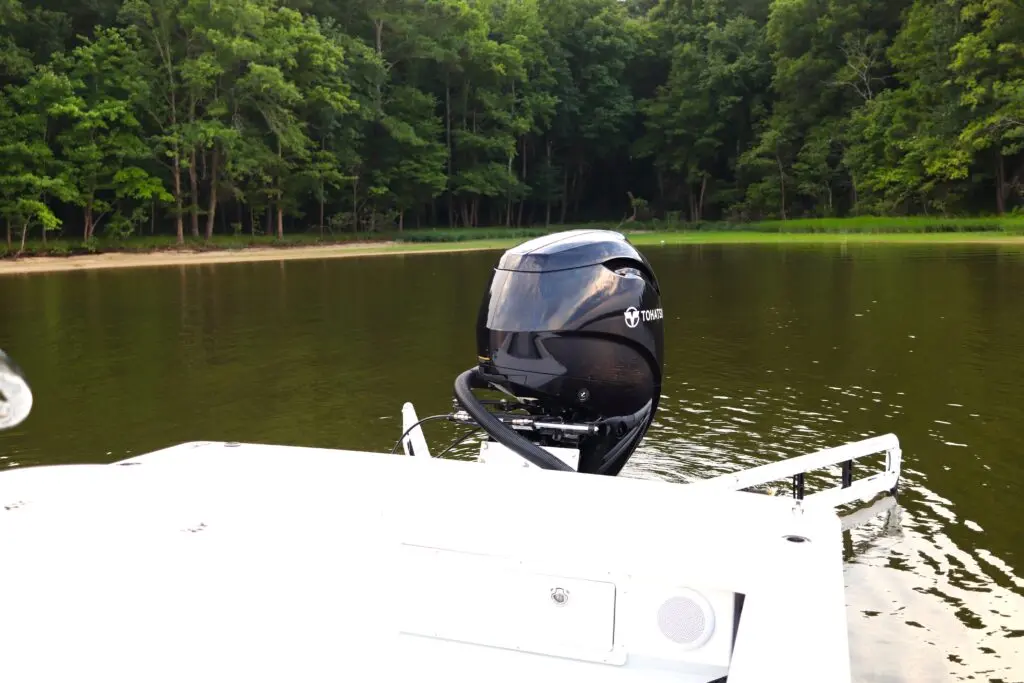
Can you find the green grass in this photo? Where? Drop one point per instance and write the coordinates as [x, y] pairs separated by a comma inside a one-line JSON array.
[[645, 238], [750, 237], [652, 238], [860, 229], [719, 231], [880, 224]]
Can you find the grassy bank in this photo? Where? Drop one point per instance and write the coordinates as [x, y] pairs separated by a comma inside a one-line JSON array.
[[651, 232], [749, 237], [883, 225], [710, 237]]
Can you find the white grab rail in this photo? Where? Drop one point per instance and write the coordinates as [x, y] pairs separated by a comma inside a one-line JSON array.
[[848, 491]]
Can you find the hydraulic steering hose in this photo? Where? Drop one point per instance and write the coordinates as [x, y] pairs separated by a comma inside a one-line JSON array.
[[637, 423], [613, 460], [502, 434]]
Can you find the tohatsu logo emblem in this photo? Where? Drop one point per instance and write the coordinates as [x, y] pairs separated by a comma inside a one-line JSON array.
[[633, 316]]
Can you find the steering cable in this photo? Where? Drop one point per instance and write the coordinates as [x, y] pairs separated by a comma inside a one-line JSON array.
[[504, 435]]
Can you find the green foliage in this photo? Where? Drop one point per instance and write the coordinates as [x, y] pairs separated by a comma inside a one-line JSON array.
[[30, 174], [258, 118]]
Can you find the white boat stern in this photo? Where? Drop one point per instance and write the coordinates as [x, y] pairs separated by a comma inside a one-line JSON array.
[[219, 562]]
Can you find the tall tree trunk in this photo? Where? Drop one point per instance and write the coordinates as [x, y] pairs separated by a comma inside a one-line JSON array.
[[179, 218], [511, 158], [8, 222], [508, 195], [24, 235], [571, 196], [1000, 184], [280, 195], [700, 202], [165, 56], [577, 191], [193, 183], [322, 195], [547, 208], [660, 178], [87, 219], [212, 207], [378, 27], [355, 205], [565, 194], [401, 221], [448, 142], [522, 202], [782, 186]]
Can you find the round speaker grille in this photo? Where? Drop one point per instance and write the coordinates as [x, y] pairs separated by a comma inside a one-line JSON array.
[[686, 619]]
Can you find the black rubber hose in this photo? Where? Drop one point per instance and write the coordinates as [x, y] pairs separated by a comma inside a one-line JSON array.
[[497, 429], [620, 436], [616, 458]]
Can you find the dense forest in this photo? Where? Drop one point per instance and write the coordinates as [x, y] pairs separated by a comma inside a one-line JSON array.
[[203, 117]]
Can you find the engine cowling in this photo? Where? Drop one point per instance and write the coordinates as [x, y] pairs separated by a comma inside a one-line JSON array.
[[574, 320]]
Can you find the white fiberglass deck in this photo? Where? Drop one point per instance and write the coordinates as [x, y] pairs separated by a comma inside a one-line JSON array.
[[210, 562]]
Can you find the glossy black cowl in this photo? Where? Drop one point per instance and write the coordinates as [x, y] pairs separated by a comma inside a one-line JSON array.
[[574, 319]]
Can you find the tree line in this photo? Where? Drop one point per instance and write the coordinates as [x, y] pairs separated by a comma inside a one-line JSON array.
[[203, 117]]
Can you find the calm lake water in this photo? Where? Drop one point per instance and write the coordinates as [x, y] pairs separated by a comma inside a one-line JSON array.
[[771, 351]]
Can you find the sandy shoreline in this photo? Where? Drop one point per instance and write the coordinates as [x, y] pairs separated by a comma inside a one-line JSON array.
[[185, 257], [53, 264]]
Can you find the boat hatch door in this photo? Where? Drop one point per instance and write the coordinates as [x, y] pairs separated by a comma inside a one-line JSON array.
[[497, 602]]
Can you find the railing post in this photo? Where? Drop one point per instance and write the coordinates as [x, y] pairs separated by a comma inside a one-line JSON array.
[[798, 486]]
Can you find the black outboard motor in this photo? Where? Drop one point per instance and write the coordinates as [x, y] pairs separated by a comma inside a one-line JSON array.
[[572, 328]]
